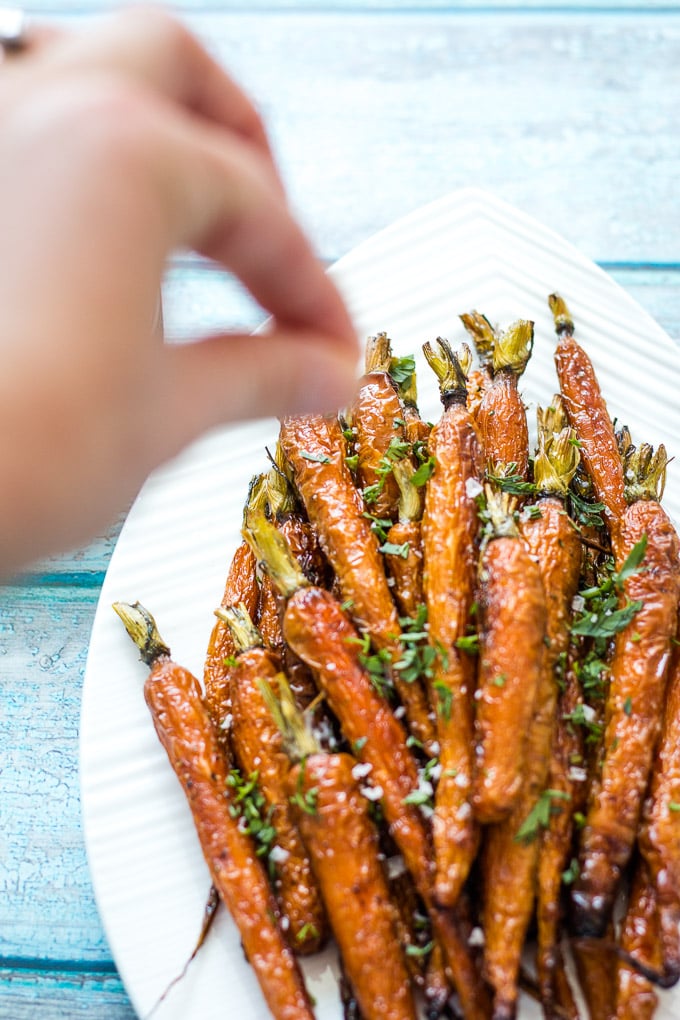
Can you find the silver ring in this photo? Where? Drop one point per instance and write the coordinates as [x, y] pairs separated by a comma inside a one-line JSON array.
[[13, 36]]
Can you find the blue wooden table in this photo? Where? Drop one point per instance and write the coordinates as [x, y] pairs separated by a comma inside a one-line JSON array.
[[568, 109]]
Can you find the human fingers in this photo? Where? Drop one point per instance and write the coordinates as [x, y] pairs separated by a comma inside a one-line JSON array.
[[219, 200], [240, 377], [149, 46]]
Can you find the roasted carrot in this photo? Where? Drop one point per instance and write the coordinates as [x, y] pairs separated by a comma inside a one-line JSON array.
[[241, 587], [510, 858], [285, 510], [513, 622], [501, 417], [567, 777], [379, 430], [596, 969], [258, 749], [190, 739], [329, 495], [555, 545], [659, 838], [636, 998], [341, 838], [588, 414], [649, 576], [450, 529], [321, 633]]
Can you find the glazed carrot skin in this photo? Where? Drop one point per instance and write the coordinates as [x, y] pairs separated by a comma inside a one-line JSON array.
[[186, 731], [590, 419], [639, 670], [502, 422], [659, 839], [513, 621], [320, 633], [336, 511], [304, 546], [258, 748], [499, 409], [406, 571], [510, 864], [596, 969], [567, 775], [588, 415], [553, 541], [450, 529], [635, 995], [342, 841], [376, 418], [240, 587]]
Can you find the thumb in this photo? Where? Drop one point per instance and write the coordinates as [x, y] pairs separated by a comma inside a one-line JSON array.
[[235, 377]]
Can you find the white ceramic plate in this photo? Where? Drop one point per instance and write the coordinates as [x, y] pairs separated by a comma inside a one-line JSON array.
[[466, 251]]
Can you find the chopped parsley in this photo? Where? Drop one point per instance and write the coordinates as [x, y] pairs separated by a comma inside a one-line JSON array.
[[587, 513], [413, 950], [402, 369], [539, 816], [392, 549], [307, 931], [379, 525], [320, 458], [444, 699], [249, 804], [468, 643], [306, 800], [509, 480], [397, 450], [584, 715], [423, 472], [570, 874]]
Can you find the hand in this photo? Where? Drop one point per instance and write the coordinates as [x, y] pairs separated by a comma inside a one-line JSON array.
[[119, 145]]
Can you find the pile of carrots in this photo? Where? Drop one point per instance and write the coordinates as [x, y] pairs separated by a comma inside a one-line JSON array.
[[439, 721]]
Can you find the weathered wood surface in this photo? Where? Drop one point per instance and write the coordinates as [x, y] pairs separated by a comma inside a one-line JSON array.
[[570, 115], [567, 110]]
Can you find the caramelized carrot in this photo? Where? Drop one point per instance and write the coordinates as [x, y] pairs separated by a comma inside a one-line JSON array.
[[596, 969], [450, 528], [635, 995], [258, 749], [513, 622], [659, 838], [501, 417], [567, 777], [286, 512], [190, 739], [555, 545], [342, 841], [510, 860], [639, 669], [241, 587], [588, 415], [379, 430], [330, 498], [322, 635]]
